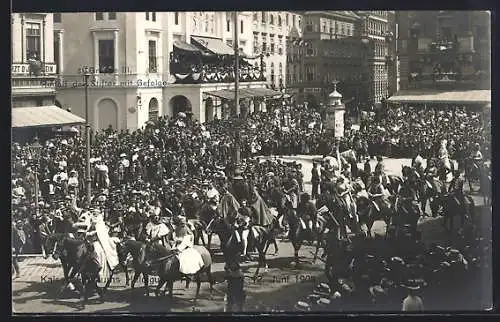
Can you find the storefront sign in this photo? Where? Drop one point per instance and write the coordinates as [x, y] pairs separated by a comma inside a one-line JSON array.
[[24, 69]]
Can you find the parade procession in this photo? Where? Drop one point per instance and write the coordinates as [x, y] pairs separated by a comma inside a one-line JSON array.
[[258, 197]]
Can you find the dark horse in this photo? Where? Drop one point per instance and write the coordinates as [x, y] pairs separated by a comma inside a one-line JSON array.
[[259, 238], [77, 257], [453, 207], [168, 268], [426, 190]]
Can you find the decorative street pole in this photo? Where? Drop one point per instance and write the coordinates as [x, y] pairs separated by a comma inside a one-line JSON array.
[[236, 93], [36, 149], [87, 137]]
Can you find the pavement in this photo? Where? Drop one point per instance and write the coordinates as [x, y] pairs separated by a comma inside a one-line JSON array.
[[282, 285]]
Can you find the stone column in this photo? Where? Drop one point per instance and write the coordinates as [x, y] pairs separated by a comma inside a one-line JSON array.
[[96, 52], [60, 34], [117, 49]]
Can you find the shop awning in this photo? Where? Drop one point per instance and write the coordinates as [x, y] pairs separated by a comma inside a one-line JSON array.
[[186, 47], [41, 116], [213, 45], [244, 93], [449, 97]]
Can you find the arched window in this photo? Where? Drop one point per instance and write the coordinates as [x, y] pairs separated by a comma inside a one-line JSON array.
[[153, 109]]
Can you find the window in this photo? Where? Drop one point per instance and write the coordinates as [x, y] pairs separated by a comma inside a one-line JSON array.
[[241, 26], [272, 45], [271, 20], [264, 47], [106, 56], [279, 21], [324, 27], [228, 25], [263, 17], [33, 41], [57, 54], [299, 22], [309, 28], [272, 72], [147, 15], [112, 15], [255, 43], [153, 109], [176, 18], [255, 16], [153, 16], [99, 16], [286, 19], [293, 20], [57, 18], [281, 70], [153, 66]]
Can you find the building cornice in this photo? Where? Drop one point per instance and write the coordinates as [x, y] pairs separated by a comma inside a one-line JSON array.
[[103, 29]]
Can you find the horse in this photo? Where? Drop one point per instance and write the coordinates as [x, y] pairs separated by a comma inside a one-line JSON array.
[[140, 253], [406, 213], [77, 257], [168, 268], [452, 207], [426, 191], [259, 238]]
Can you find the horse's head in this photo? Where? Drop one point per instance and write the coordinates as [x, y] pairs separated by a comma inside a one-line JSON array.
[[53, 245]]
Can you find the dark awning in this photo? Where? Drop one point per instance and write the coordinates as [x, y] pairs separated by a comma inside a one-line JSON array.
[[186, 47], [42, 116], [213, 45], [449, 97]]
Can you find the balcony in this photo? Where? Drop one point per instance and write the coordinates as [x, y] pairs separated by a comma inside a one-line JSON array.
[[33, 79]]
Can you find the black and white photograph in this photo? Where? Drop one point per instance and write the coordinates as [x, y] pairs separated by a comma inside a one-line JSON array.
[[251, 161]]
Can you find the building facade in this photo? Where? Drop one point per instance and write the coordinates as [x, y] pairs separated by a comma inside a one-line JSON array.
[[351, 48], [33, 66], [271, 30], [129, 56], [376, 35], [444, 49]]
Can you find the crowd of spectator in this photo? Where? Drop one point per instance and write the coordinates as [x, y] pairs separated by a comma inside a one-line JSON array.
[[158, 166]]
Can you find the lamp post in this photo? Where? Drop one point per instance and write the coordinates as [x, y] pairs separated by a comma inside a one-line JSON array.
[[88, 179], [237, 152], [366, 42], [35, 150]]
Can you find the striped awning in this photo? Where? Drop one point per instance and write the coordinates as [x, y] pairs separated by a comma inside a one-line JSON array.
[[42, 116], [449, 97], [214, 45], [244, 93]]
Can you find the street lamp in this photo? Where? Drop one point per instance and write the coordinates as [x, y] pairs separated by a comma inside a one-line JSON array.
[[35, 150], [87, 137]]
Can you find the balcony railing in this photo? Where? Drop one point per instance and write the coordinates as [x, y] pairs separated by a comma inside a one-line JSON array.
[[147, 80]]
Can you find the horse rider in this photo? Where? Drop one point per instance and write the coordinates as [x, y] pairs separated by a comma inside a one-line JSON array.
[[378, 195], [247, 217], [104, 246], [444, 156], [380, 171], [407, 199], [343, 190], [190, 260], [418, 166], [308, 213], [291, 188], [183, 236], [456, 189], [240, 189], [157, 231], [476, 156], [83, 224]]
